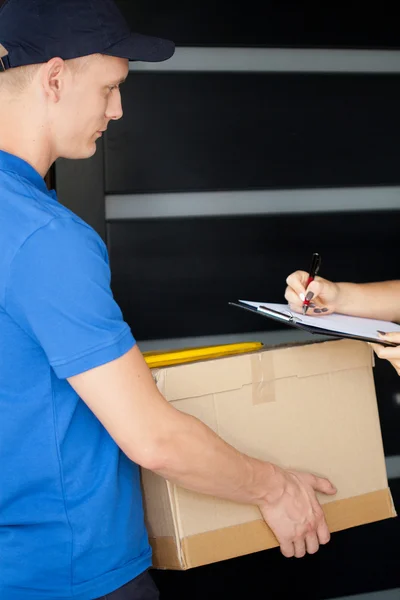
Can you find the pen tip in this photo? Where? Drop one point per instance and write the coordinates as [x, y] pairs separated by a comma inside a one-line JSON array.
[[304, 310]]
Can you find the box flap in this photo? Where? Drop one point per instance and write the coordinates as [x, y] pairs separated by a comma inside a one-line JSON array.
[[229, 373]]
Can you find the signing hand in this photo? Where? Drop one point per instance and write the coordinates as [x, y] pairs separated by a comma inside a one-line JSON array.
[[324, 294]]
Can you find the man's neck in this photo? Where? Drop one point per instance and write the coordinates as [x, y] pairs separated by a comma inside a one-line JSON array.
[[39, 163], [21, 136]]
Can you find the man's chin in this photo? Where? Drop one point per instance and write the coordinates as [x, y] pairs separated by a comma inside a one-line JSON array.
[[81, 154], [91, 152]]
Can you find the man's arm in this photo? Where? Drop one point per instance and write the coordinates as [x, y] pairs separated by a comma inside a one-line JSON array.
[[155, 435], [78, 331]]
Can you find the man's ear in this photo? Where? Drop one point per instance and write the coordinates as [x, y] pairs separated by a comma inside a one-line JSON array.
[[53, 75]]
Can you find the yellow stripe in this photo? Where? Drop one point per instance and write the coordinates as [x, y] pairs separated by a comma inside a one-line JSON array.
[[163, 358]]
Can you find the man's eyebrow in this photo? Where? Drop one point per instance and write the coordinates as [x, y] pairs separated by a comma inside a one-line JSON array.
[[116, 81]]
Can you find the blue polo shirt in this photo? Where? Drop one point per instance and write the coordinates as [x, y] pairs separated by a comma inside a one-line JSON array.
[[71, 517]]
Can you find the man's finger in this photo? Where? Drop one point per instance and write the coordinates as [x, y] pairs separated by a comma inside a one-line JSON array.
[[287, 549], [312, 543], [299, 548], [323, 532]]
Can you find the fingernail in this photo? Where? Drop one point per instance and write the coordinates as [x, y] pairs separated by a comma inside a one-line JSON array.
[[317, 310], [302, 297], [310, 295], [312, 305], [324, 309], [381, 332]]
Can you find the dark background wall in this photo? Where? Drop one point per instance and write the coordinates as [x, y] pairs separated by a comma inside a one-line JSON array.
[[206, 132], [272, 23]]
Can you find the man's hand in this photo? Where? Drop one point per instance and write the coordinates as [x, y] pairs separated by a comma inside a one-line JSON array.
[[294, 514], [390, 353], [324, 294]]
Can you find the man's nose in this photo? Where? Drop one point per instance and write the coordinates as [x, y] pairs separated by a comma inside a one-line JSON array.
[[114, 108]]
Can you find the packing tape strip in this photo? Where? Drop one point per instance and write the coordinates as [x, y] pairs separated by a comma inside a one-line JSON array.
[[263, 378]]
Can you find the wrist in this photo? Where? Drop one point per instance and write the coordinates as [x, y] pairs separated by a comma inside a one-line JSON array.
[[275, 485], [343, 294]]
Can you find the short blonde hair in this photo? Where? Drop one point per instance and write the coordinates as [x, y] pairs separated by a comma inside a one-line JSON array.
[[17, 79]]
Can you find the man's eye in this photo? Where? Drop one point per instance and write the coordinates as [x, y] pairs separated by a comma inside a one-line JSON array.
[[113, 87]]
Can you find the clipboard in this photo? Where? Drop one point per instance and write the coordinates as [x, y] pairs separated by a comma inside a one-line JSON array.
[[336, 326]]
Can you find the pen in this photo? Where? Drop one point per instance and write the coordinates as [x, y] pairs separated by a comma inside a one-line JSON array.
[[315, 265]]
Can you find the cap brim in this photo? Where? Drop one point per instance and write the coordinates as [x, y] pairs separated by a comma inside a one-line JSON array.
[[143, 48]]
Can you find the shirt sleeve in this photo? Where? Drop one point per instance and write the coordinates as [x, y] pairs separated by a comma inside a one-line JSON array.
[[59, 293]]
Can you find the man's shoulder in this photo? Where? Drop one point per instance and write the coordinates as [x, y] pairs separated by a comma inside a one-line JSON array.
[[34, 222], [25, 210]]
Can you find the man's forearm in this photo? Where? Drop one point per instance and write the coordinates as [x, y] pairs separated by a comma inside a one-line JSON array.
[[195, 458], [379, 300], [159, 437]]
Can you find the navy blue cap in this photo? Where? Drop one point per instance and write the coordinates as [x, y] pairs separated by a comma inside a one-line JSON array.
[[35, 31]]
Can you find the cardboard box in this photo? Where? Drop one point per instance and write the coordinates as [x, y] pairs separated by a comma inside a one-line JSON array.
[[309, 407]]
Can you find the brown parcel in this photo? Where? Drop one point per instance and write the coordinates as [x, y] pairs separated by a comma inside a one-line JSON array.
[[309, 407]]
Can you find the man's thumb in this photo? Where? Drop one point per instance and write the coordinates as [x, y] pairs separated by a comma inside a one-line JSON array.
[[325, 486]]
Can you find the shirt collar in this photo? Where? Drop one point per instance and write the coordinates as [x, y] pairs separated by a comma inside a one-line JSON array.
[[14, 164]]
